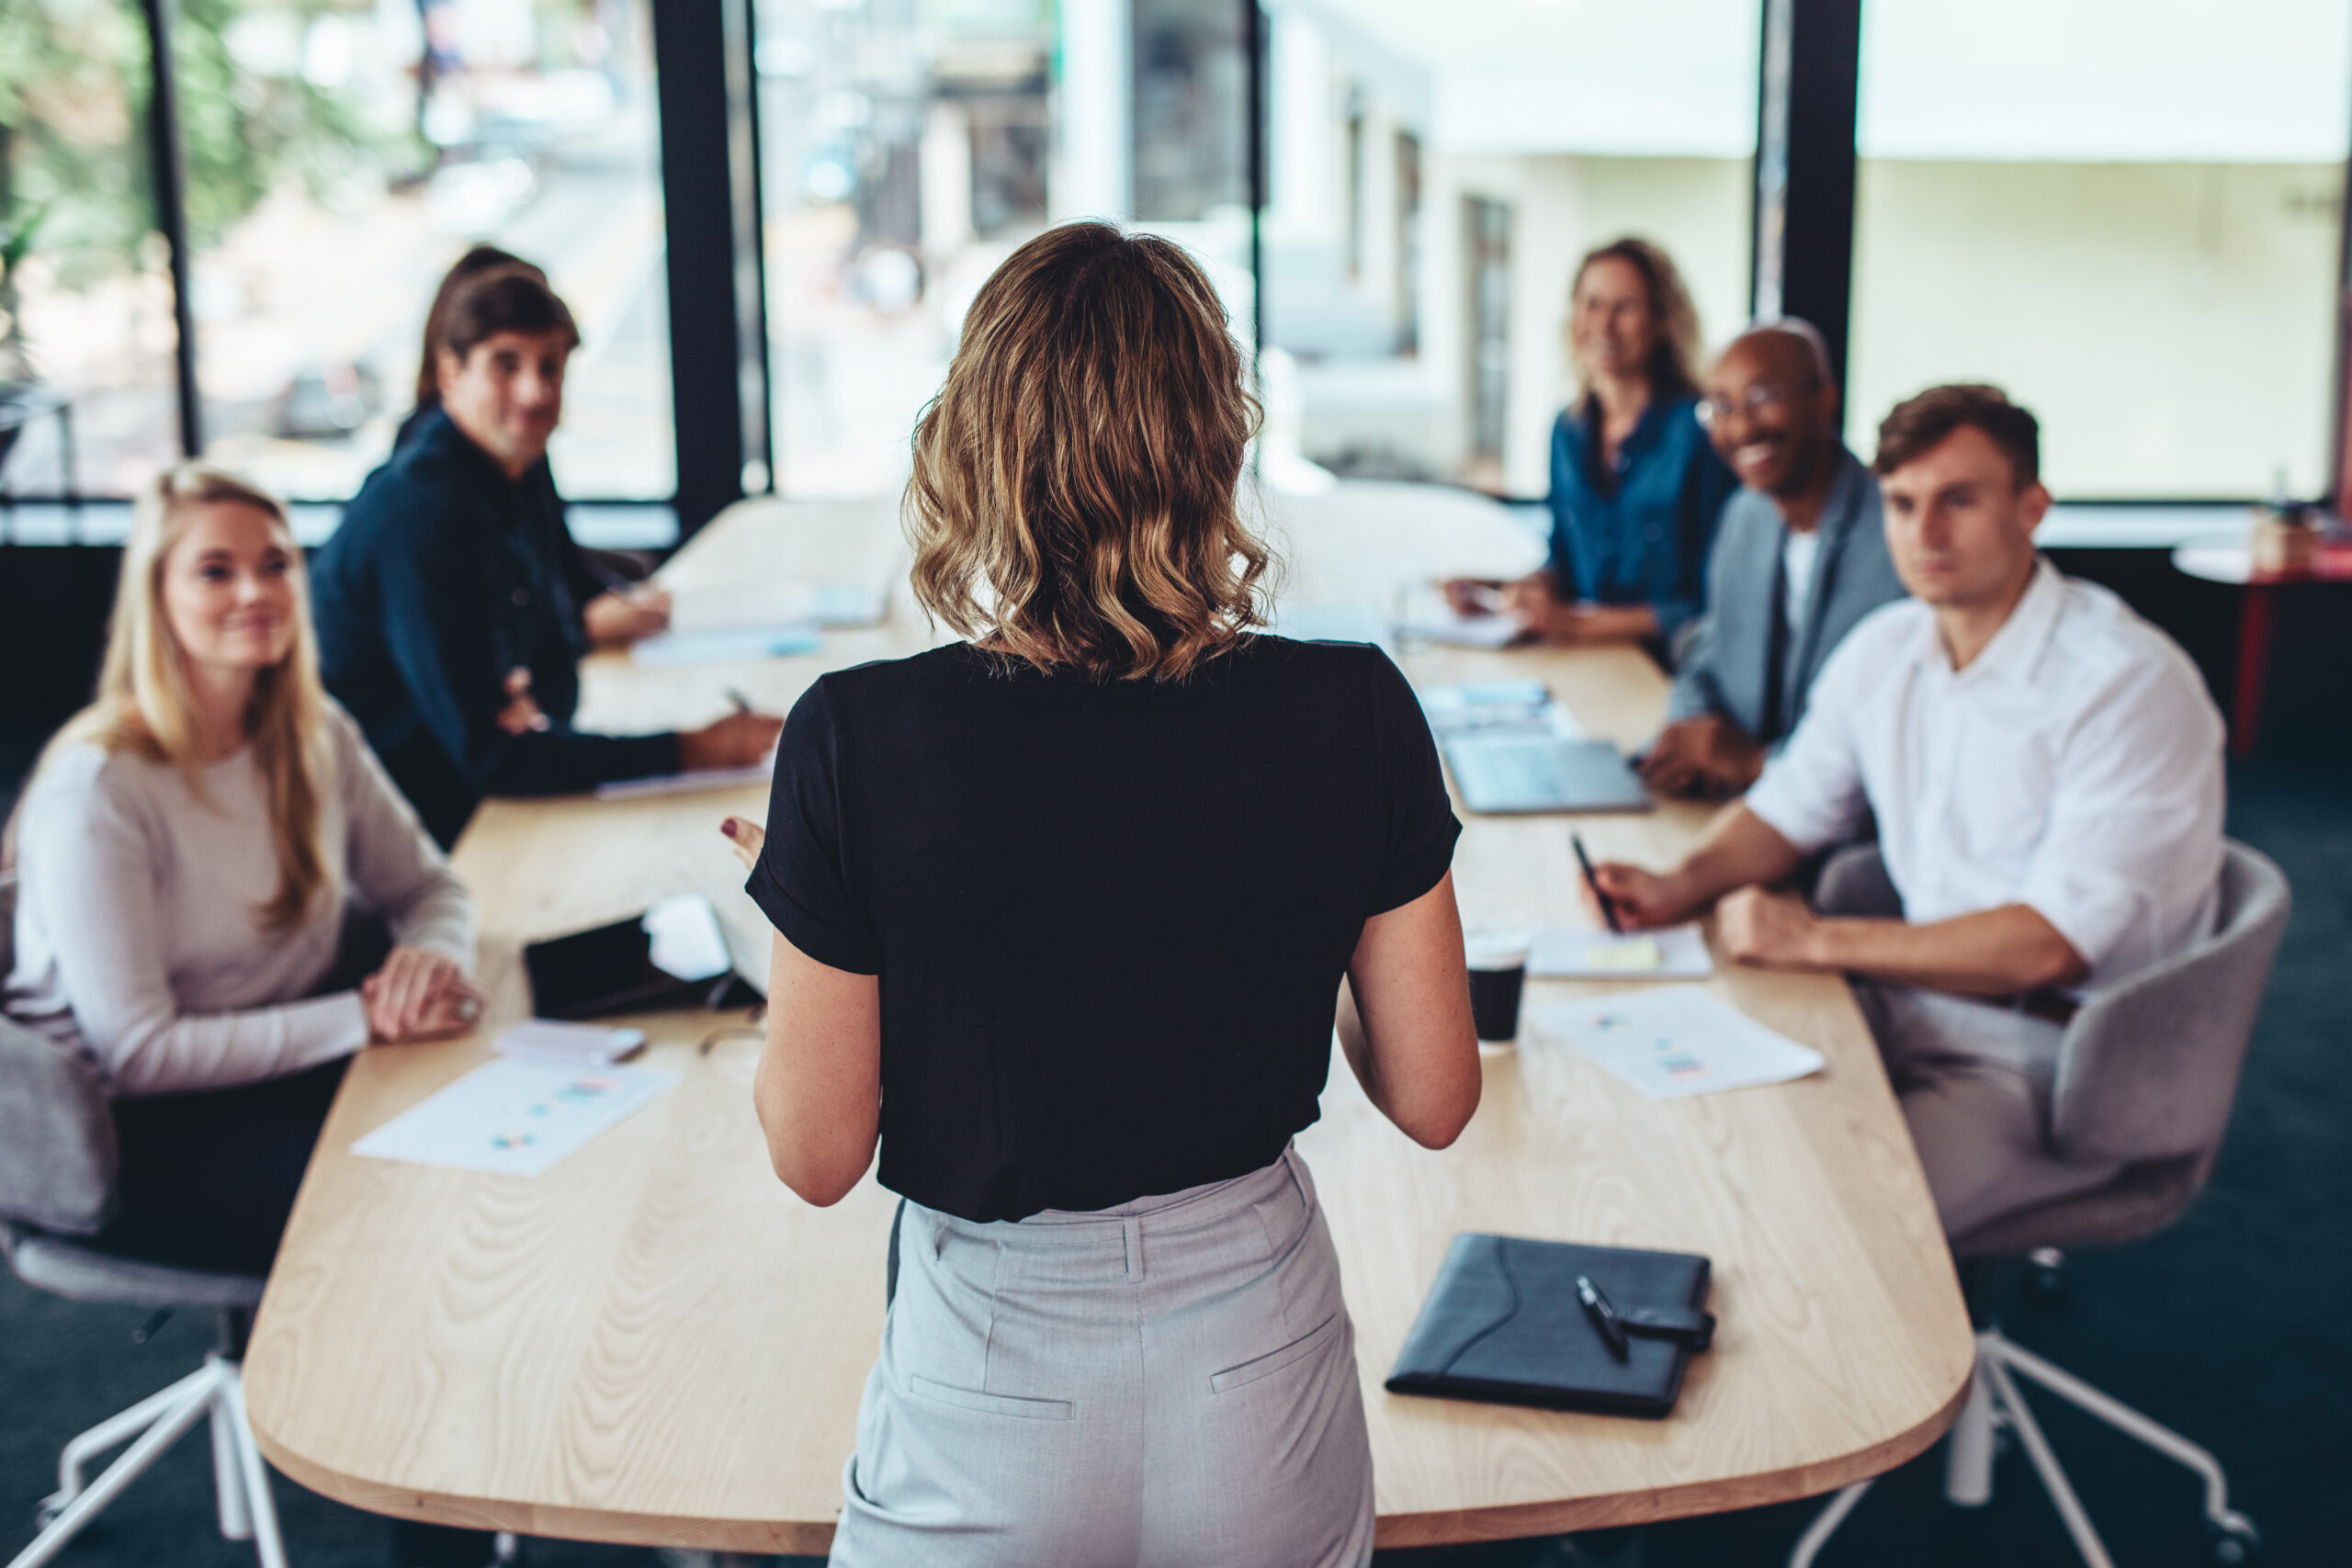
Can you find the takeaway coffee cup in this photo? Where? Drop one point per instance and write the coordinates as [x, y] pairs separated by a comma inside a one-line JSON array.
[[1497, 975]]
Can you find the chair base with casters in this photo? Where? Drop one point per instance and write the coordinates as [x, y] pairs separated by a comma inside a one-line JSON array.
[[2145, 1075], [1995, 1405], [213, 1396]]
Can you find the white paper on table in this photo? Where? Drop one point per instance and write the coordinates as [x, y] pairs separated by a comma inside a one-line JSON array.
[[514, 1117], [1427, 615], [1563, 952], [1671, 1041], [725, 645]]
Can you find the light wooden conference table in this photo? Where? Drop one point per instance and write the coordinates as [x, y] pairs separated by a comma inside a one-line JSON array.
[[655, 1342]]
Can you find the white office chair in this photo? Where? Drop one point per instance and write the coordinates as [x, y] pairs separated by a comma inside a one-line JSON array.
[[57, 1184], [2146, 1074]]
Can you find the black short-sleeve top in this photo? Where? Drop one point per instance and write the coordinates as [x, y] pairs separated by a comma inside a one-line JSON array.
[[1109, 920]]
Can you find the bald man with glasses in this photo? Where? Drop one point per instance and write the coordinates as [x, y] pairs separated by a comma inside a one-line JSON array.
[[1799, 556]]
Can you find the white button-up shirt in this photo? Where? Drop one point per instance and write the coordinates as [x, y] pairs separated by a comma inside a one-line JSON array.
[[2074, 767]]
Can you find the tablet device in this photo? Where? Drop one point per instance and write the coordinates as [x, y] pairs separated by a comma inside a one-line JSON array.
[[672, 955], [1526, 768]]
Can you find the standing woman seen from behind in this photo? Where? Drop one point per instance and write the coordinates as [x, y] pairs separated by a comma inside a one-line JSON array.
[[186, 852], [1064, 912], [1636, 488]]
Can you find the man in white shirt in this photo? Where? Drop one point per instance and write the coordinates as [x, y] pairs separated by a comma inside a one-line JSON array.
[[2045, 769]]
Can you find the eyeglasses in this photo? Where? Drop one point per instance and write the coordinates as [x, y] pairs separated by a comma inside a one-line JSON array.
[[1759, 395]]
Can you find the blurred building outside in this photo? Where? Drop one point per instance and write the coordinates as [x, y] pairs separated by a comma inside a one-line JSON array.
[[2128, 212], [339, 156]]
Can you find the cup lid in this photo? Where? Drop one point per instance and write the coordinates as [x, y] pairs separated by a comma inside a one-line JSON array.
[[1495, 947]]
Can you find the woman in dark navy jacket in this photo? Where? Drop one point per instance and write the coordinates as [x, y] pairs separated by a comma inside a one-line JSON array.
[[1635, 486]]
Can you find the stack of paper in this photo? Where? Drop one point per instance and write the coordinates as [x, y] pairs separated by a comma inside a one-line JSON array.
[[1670, 1041]]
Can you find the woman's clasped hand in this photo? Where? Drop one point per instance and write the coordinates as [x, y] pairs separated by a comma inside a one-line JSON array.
[[419, 994]]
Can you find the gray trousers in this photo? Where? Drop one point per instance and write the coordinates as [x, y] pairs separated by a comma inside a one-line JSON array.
[[1169, 1382], [1974, 1080]]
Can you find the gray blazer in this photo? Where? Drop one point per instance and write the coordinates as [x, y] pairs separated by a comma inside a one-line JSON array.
[[1723, 668]]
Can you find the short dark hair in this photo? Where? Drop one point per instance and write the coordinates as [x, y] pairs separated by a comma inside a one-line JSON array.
[[477, 262], [1918, 425], [508, 300]]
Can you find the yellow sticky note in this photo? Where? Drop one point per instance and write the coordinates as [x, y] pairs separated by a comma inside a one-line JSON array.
[[1630, 956]]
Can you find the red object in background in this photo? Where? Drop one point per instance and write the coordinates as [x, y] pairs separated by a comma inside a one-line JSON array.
[[2257, 613]]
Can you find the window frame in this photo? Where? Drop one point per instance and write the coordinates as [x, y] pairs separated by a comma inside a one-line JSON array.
[[1803, 192]]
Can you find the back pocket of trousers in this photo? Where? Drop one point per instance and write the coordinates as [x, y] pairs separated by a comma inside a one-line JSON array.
[[1273, 1362], [990, 1404]]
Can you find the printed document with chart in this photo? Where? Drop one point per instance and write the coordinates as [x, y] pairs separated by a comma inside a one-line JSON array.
[[512, 1116], [1670, 1041]]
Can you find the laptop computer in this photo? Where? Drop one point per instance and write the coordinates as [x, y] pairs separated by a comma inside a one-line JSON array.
[[1521, 769]]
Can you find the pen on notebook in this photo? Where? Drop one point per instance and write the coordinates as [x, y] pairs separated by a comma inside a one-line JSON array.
[[1603, 1316], [742, 704], [1584, 862]]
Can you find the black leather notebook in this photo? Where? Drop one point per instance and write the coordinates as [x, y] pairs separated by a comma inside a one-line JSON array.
[[1504, 1323]]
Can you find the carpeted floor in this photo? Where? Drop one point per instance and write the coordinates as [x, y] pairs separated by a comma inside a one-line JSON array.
[[2231, 1327]]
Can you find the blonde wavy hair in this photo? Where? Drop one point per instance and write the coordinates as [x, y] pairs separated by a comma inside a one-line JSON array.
[[1674, 359], [1074, 497], [144, 704]]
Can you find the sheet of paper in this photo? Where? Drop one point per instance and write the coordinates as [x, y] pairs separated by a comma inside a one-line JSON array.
[[1671, 1041], [687, 783], [1563, 952], [1428, 616], [722, 645], [514, 1117]]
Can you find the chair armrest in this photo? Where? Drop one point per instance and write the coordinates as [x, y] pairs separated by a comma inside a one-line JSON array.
[[1854, 884], [58, 1161]]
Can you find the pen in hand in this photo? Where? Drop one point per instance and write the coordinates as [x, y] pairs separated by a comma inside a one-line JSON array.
[[1584, 862], [1603, 1316], [742, 704]]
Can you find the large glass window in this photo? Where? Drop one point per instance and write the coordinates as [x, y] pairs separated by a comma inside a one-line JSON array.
[[1436, 170], [908, 146], [2127, 213], [341, 154], [87, 398]]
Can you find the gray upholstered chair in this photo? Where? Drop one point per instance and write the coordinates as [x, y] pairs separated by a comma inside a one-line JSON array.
[[57, 1187], [2146, 1074]]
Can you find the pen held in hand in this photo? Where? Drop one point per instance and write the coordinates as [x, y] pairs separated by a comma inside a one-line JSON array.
[[742, 704], [1584, 862]]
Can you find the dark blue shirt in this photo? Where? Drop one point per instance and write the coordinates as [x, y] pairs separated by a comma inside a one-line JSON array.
[[1637, 532], [443, 578]]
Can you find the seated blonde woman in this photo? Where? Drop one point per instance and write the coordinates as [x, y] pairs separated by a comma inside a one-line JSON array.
[[186, 852], [1063, 915]]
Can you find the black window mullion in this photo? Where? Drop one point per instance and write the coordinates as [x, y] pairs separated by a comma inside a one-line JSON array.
[[1808, 88], [171, 210], [700, 96], [1253, 49]]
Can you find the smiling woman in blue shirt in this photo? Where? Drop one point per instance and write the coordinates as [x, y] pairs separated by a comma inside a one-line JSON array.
[[1635, 486]]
